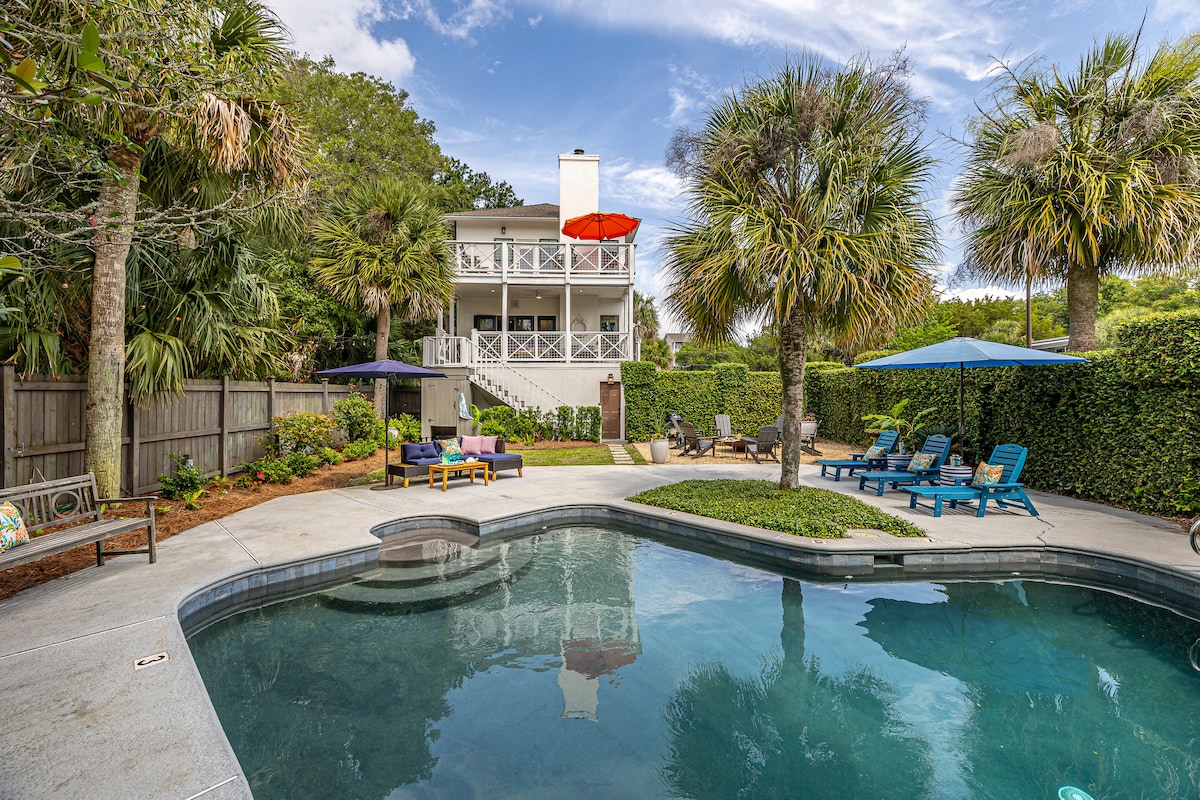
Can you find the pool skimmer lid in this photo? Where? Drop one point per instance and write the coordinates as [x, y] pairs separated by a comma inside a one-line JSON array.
[[150, 661]]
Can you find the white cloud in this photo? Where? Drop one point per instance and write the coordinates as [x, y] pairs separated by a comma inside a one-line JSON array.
[[1185, 11], [464, 20], [979, 293], [535, 21], [649, 186], [344, 31]]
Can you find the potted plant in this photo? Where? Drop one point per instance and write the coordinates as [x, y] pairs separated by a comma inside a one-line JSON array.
[[658, 449], [895, 420]]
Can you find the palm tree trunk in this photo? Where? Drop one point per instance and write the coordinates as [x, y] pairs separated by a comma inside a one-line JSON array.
[[383, 331], [793, 350], [116, 210], [1083, 301]]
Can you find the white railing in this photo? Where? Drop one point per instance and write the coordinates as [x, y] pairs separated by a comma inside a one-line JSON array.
[[542, 259], [596, 346], [446, 351], [584, 346], [514, 388]]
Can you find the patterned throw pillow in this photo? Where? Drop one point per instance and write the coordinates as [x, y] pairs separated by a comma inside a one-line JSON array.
[[922, 461], [450, 447], [987, 474], [874, 451], [12, 527]]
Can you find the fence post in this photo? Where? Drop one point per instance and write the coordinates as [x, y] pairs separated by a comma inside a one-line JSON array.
[[324, 395], [135, 450], [8, 423], [223, 424], [270, 400]]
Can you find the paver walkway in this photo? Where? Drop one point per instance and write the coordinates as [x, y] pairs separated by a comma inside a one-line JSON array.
[[81, 722]]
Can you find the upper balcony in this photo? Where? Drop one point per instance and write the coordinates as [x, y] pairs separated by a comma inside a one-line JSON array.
[[506, 261]]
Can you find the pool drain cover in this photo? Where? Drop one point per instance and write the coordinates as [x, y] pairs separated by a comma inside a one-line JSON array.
[[150, 661]]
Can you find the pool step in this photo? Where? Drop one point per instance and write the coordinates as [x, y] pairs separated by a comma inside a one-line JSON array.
[[425, 545], [415, 589]]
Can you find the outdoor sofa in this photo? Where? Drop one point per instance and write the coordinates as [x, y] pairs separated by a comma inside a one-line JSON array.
[[415, 457]]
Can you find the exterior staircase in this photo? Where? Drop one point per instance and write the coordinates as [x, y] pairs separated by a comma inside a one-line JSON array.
[[514, 389]]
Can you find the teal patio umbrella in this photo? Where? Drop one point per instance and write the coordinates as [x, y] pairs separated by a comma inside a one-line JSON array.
[[963, 352]]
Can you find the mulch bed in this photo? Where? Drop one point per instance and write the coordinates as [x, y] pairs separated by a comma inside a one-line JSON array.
[[214, 504]]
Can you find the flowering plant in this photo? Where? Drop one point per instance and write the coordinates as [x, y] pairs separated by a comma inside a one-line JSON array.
[[810, 416]]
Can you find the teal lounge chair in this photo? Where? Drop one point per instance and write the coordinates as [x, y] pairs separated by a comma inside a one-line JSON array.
[[887, 440], [937, 445], [1011, 456]]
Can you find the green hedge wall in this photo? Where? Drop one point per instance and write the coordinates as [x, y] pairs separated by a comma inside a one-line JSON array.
[[1124, 428]]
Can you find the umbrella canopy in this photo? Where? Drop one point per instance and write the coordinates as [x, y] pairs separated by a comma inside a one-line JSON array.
[[380, 369], [963, 352], [599, 226], [387, 369]]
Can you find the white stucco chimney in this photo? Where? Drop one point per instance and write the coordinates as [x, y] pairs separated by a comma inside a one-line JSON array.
[[578, 186]]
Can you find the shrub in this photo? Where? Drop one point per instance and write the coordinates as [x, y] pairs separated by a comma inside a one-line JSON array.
[[407, 427], [302, 464], [327, 455], [564, 423], [356, 416], [300, 432], [359, 449], [269, 470], [587, 423], [499, 421], [187, 480]]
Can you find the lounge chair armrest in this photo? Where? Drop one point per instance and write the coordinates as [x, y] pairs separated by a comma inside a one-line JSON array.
[[857, 456]]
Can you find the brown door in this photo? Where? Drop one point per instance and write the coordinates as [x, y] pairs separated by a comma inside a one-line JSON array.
[[610, 410]]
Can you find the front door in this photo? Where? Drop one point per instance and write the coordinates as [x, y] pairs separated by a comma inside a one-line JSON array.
[[610, 410]]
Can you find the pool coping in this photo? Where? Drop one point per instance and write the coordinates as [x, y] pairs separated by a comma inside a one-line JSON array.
[[69, 664]]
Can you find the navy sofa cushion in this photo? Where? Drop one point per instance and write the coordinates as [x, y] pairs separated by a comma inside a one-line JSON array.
[[419, 453]]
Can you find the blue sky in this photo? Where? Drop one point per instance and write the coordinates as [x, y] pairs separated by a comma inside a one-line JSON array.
[[510, 84]]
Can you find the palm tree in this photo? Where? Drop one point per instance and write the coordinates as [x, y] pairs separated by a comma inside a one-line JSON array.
[[184, 72], [805, 208], [645, 317], [382, 247], [1072, 176]]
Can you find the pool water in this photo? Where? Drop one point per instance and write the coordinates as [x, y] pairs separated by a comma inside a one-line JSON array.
[[591, 663]]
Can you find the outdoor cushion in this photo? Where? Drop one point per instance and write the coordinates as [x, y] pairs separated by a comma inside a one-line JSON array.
[[922, 461], [450, 447], [425, 461], [987, 474], [414, 452], [875, 451], [488, 444], [472, 445], [12, 527]]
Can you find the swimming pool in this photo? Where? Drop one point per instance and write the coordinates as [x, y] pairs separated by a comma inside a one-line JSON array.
[[591, 662]]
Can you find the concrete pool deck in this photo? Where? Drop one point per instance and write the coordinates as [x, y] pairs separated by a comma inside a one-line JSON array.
[[82, 721]]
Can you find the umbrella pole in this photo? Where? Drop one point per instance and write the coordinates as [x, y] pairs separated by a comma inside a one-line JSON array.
[[387, 413], [962, 428]]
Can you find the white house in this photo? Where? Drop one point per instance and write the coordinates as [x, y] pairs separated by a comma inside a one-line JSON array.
[[538, 318]]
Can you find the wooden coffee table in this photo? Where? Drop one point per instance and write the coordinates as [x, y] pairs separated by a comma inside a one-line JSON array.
[[446, 469]]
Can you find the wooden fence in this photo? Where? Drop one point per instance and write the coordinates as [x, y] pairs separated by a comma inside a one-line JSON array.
[[216, 422]]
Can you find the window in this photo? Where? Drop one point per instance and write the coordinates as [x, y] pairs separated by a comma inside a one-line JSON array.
[[487, 322], [547, 324], [608, 323], [521, 324]]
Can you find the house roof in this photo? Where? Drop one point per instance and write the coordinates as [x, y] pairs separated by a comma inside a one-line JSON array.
[[535, 211]]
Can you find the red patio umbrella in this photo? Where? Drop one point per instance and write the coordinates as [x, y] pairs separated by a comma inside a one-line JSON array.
[[597, 226]]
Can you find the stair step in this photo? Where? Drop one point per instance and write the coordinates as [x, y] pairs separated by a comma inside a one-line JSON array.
[[440, 571], [408, 599], [425, 545]]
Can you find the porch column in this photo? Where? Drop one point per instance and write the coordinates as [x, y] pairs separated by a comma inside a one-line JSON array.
[[504, 321], [567, 319], [629, 323]]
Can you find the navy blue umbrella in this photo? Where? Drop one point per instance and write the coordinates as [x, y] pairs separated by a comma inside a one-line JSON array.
[[963, 352], [386, 369]]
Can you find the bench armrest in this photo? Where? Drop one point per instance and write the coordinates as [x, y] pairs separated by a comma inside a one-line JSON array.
[[990, 486], [148, 500]]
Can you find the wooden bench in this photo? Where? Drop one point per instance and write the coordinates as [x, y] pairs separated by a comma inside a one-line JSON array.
[[71, 502]]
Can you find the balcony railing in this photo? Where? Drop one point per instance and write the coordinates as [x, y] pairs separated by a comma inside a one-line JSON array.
[[502, 348], [548, 259]]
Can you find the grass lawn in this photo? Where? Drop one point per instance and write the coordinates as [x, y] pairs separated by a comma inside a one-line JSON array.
[[818, 513], [586, 456]]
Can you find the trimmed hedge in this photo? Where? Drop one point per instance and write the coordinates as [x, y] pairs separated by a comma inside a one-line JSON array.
[[1124, 428]]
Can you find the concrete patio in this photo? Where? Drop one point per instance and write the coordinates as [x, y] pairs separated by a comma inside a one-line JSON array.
[[82, 721]]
